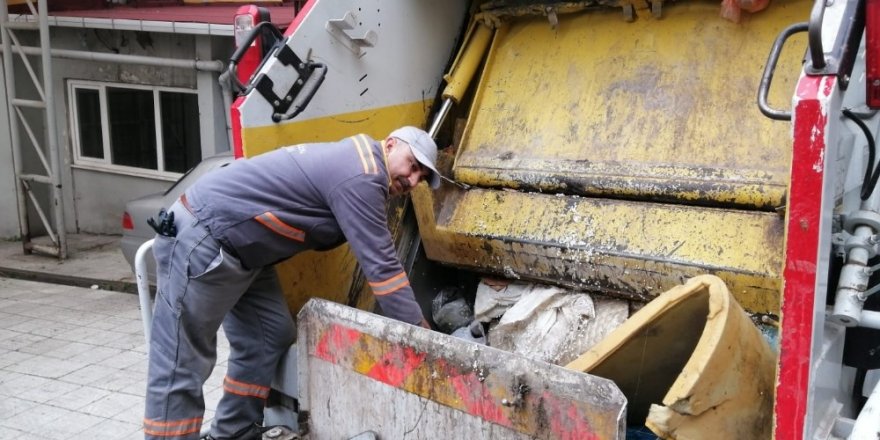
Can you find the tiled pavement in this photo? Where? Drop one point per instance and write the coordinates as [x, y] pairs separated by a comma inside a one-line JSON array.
[[73, 363]]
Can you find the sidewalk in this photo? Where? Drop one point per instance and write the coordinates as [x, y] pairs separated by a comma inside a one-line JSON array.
[[92, 260], [73, 359]]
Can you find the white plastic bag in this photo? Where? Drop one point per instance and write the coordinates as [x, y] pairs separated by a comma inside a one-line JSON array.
[[556, 326], [493, 298]]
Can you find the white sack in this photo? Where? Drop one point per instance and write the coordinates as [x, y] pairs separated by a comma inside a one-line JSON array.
[[491, 303], [555, 325]]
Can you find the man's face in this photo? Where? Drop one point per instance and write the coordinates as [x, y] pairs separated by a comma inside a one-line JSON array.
[[405, 171]]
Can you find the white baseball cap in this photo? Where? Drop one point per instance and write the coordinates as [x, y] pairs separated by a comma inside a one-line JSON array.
[[423, 148]]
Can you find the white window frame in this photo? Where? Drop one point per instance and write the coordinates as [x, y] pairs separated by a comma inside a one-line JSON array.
[[106, 164]]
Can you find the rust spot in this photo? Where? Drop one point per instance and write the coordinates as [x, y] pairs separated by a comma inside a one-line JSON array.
[[804, 224]]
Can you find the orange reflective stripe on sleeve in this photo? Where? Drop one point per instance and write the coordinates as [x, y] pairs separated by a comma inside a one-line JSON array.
[[360, 151], [272, 222], [233, 386], [364, 143], [390, 285], [174, 428]]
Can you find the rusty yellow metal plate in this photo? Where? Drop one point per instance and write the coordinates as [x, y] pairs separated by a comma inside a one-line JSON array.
[[654, 109], [627, 249], [624, 158], [673, 360]]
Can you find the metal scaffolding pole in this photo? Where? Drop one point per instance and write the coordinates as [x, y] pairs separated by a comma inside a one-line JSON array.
[[13, 124], [52, 129], [208, 66], [45, 88]]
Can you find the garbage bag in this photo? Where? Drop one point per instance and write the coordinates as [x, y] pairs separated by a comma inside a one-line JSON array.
[[450, 310], [494, 298], [753, 5], [555, 325], [473, 332], [730, 10]]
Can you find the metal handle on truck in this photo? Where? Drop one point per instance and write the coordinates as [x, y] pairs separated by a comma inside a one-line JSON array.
[[236, 56], [304, 95], [770, 68], [840, 57]]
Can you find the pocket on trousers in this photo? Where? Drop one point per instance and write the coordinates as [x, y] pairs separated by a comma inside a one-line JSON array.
[[163, 249], [200, 270]]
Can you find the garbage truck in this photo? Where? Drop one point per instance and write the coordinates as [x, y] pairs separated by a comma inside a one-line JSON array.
[[712, 165]]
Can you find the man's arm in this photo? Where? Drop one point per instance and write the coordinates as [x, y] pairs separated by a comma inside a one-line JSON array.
[[359, 208]]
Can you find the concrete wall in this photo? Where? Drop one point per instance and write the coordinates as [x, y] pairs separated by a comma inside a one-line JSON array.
[[8, 202], [212, 109], [99, 196]]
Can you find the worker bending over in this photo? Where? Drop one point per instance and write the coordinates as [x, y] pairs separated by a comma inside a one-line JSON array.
[[215, 257]]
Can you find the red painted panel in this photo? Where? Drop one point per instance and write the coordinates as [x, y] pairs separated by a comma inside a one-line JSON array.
[[20, 7], [801, 253], [570, 427], [335, 341], [476, 398], [235, 117], [480, 392], [396, 365], [304, 11], [872, 52]]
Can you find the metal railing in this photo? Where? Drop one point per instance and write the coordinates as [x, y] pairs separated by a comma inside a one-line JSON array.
[[143, 286]]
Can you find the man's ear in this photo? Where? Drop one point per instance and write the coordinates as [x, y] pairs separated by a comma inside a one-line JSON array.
[[389, 144]]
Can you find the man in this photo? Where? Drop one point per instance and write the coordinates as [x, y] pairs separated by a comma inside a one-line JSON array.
[[216, 267]]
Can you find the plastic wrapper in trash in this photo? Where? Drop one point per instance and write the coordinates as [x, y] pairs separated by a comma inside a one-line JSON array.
[[732, 9], [473, 332], [450, 310], [494, 299], [556, 326], [753, 5]]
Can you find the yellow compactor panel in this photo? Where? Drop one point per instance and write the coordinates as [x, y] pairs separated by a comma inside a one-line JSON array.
[[650, 136], [618, 247], [654, 108]]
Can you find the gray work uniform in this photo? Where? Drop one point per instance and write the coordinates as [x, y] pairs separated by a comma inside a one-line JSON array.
[[236, 223]]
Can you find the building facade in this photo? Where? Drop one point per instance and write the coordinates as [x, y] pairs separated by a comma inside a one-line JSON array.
[[136, 97]]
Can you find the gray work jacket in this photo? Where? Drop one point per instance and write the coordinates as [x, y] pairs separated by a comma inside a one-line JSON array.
[[270, 207]]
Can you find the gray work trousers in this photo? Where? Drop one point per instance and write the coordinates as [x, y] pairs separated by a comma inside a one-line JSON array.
[[200, 286]]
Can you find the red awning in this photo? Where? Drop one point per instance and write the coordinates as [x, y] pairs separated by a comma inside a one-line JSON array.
[[207, 14]]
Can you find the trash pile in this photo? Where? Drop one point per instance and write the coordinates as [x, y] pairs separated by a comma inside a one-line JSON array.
[[542, 322]]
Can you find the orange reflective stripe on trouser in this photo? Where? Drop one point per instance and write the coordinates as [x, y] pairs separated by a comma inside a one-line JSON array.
[[172, 428], [233, 386], [366, 154], [390, 285], [277, 226]]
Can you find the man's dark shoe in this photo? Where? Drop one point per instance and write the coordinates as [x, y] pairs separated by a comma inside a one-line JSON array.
[[255, 432]]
